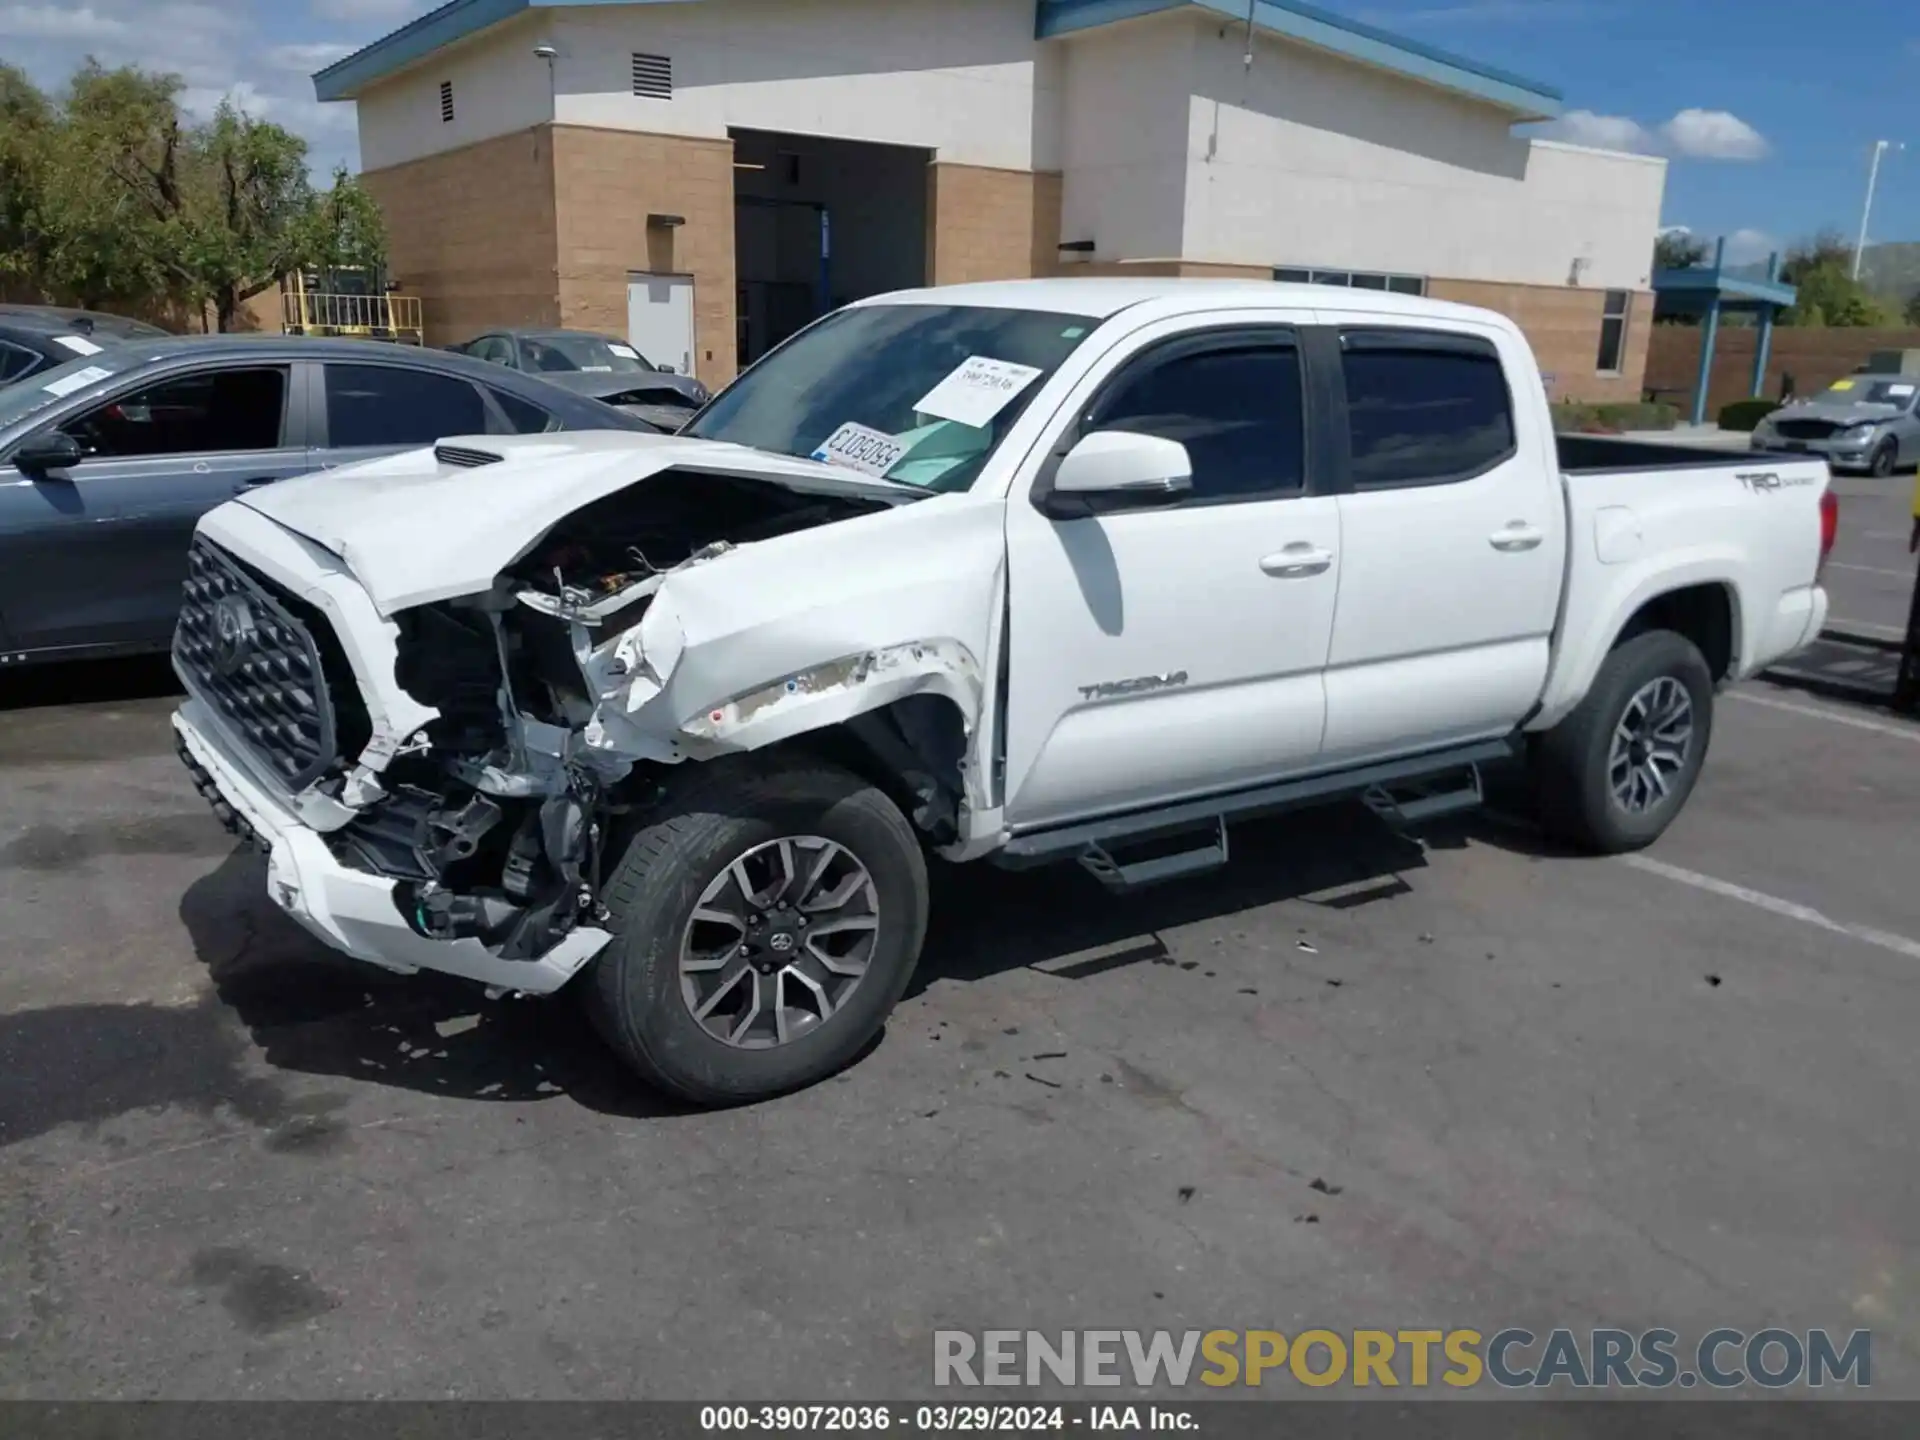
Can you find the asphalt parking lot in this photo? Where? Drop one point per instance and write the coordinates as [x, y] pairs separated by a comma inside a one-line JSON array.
[[1351, 1081], [1870, 576]]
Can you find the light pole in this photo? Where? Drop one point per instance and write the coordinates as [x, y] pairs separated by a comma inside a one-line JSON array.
[[1880, 148], [548, 53]]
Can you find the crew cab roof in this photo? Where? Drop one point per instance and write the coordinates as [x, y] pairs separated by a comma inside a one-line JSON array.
[[1101, 297]]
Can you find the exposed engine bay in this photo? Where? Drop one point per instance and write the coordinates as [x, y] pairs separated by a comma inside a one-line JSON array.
[[493, 817]]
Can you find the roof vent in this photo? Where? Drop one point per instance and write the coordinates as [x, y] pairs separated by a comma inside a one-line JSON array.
[[460, 458], [653, 76], [446, 102]]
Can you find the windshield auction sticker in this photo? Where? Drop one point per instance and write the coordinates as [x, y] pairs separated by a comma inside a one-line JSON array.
[[977, 391], [856, 447]]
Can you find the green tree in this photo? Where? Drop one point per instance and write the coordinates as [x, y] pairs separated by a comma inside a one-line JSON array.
[[1912, 312], [1821, 269], [111, 198], [1677, 250]]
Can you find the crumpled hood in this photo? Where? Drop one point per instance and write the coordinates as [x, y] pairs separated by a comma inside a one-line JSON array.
[[413, 529], [603, 384], [1838, 412]]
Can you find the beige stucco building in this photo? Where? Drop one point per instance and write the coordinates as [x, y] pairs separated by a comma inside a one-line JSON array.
[[705, 176]]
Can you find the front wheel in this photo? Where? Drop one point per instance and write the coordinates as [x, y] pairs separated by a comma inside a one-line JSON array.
[[765, 926], [1612, 775], [1885, 456]]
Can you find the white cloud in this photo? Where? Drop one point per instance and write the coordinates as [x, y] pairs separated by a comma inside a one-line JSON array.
[[367, 9], [1747, 247], [1603, 132], [1714, 135], [49, 22], [305, 59]]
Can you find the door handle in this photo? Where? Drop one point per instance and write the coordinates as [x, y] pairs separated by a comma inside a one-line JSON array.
[[1297, 561], [1518, 535]]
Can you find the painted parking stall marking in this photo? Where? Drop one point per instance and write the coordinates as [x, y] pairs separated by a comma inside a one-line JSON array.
[[1774, 905]]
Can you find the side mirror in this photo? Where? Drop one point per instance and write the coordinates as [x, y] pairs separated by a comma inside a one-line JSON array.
[[49, 450], [1116, 470], [666, 369]]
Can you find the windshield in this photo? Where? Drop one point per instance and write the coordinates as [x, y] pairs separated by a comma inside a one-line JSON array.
[[581, 352], [1889, 392], [916, 393], [36, 392]]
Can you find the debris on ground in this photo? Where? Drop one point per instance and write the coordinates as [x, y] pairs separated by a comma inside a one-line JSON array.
[[1426, 939], [1308, 1219], [1714, 980], [1306, 946], [1336, 984], [1248, 990], [1324, 1188], [1042, 1080], [1051, 1055], [1187, 1192]]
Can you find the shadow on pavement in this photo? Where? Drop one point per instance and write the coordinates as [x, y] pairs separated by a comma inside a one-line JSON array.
[[88, 682], [1852, 668]]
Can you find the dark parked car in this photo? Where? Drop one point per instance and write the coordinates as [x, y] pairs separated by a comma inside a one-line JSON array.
[[608, 369], [96, 323], [31, 342], [113, 458]]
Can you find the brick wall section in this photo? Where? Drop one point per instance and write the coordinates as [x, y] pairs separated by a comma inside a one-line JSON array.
[[608, 182], [985, 224], [471, 232], [1815, 358], [1563, 326]]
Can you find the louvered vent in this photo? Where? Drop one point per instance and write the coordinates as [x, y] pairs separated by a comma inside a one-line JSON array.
[[653, 76], [446, 102]]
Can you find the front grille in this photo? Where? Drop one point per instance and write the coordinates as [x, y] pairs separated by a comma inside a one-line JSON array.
[[1806, 429], [242, 652]]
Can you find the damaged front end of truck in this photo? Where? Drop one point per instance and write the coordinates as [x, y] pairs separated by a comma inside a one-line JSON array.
[[479, 751]]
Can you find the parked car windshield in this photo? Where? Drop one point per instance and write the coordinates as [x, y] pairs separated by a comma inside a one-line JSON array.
[[581, 352], [1890, 392], [921, 394], [40, 390]]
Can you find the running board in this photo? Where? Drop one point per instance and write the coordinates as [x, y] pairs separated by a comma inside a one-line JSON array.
[[1399, 781], [1404, 806], [1121, 876]]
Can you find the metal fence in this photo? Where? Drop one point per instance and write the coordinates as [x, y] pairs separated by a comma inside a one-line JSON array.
[[364, 317]]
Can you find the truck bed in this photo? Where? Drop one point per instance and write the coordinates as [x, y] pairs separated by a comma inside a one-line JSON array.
[[1585, 454]]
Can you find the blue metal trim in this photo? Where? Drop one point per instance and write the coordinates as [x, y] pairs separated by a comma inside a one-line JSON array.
[[1702, 282], [1336, 33], [455, 20]]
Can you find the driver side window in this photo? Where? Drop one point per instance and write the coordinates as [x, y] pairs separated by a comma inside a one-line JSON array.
[[222, 410], [1234, 401]]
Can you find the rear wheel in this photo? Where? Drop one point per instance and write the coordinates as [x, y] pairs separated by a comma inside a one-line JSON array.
[[1612, 775], [765, 926]]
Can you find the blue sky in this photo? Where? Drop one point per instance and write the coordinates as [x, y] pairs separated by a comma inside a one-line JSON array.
[[1767, 110]]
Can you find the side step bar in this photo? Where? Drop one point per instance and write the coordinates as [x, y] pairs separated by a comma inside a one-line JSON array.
[[1401, 792]]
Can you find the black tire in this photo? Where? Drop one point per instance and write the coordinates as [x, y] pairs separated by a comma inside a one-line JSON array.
[[1885, 456], [633, 988], [1571, 762]]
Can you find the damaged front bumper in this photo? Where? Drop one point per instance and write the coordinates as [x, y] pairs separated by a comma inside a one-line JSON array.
[[351, 910]]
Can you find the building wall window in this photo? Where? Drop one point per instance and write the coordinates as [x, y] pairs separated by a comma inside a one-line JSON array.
[[1613, 332], [1354, 279]]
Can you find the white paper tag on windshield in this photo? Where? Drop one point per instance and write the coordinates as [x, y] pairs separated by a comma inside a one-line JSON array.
[[976, 392], [597, 369], [1900, 391], [78, 380], [625, 352], [77, 345], [856, 447]]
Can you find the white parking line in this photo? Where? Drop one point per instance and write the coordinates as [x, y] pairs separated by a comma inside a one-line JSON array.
[[1774, 905], [1888, 535], [1871, 570], [1900, 732]]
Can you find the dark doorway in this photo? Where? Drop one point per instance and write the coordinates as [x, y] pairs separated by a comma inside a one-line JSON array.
[[819, 223]]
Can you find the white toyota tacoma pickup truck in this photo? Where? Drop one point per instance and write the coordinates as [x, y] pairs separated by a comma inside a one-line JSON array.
[[1046, 570]]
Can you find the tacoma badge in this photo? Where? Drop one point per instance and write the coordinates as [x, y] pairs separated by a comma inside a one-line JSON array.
[[1139, 685]]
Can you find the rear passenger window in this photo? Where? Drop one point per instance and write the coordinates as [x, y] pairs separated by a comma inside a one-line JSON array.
[[1237, 408], [523, 416], [1424, 409], [16, 362], [386, 405]]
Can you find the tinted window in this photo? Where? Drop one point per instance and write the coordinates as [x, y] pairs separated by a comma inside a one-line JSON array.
[[1425, 413], [15, 362], [197, 414], [385, 405], [1237, 409], [495, 348], [525, 417]]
